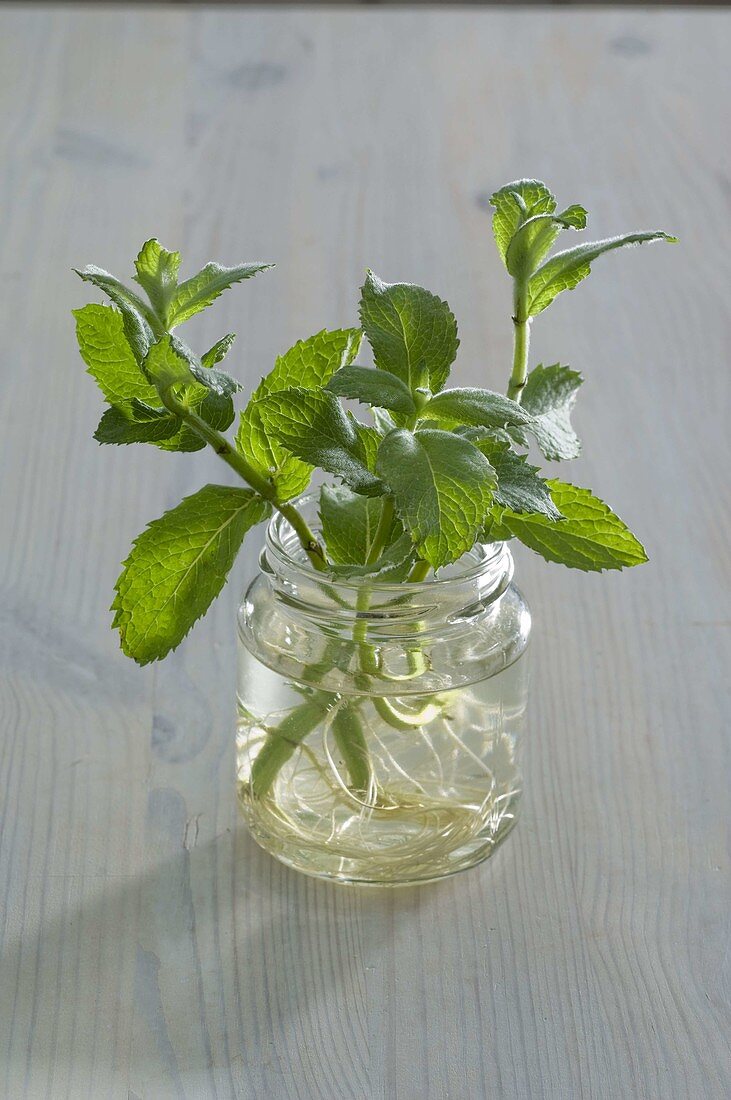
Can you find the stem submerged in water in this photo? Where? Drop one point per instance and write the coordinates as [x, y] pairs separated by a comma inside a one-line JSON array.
[[351, 741], [347, 726], [282, 741]]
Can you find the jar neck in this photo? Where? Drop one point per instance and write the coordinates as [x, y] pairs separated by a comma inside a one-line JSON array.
[[459, 594]]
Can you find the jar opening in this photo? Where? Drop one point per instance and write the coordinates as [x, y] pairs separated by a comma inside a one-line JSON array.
[[285, 555], [360, 634]]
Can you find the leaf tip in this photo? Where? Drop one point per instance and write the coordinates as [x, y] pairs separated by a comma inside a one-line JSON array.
[[643, 557]]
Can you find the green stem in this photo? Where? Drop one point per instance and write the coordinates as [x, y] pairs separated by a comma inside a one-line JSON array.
[[521, 341], [347, 727], [363, 599], [402, 719], [382, 532], [419, 571], [251, 476], [367, 654], [415, 657], [281, 742], [350, 739]]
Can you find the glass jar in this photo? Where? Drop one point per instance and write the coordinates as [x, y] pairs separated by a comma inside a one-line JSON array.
[[379, 724]]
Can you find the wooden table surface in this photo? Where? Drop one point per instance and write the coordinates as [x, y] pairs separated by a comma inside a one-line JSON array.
[[149, 949]]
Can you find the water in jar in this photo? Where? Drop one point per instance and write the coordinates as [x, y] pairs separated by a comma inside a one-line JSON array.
[[380, 790]]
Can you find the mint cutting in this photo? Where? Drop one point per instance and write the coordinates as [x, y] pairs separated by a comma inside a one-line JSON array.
[[417, 470]]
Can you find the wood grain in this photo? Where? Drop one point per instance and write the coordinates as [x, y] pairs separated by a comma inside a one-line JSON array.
[[149, 949]]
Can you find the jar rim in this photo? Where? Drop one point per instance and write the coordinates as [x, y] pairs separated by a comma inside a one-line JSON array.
[[462, 571]]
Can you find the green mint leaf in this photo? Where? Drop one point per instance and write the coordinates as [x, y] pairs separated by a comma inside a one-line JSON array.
[[184, 442], [533, 239], [142, 411], [372, 387], [177, 567], [141, 326], [514, 204], [520, 488], [217, 410], [120, 294], [171, 362], [394, 564], [566, 269], [109, 357], [518, 485], [476, 407], [413, 333], [312, 425], [549, 395], [311, 363], [288, 474], [196, 293], [218, 351], [370, 439], [349, 524], [157, 273], [218, 381], [148, 425], [166, 365], [106, 351], [589, 537], [116, 427], [442, 486], [213, 379], [573, 217], [383, 421]]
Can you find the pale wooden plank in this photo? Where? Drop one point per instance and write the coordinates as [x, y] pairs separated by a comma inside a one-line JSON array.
[[149, 949], [77, 742]]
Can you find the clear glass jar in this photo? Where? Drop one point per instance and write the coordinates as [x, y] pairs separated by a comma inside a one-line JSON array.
[[379, 725]]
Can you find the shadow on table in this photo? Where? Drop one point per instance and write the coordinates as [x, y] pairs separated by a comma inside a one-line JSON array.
[[208, 974]]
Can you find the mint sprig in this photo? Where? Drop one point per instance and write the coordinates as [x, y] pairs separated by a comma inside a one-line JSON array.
[[430, 470], [525, 227]]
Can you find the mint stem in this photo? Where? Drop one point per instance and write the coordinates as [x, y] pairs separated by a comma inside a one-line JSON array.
[[419, 571], [351, 741], [382, 532], [282, 741], [521, 341], [252, 477], [360, 630]]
